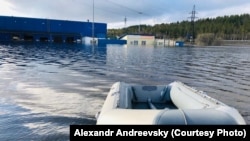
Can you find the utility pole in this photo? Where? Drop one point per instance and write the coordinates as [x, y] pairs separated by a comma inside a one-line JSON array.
[[193, 17], [93, 24], [125, 21], [139, 30], [125, 25]]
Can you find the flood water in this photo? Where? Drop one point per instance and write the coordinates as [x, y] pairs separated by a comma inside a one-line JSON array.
[[44, 88]]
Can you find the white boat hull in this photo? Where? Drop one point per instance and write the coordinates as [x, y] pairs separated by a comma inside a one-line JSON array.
[[176, 104]]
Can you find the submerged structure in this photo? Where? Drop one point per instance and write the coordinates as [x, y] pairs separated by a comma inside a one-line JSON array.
[[48, 30]]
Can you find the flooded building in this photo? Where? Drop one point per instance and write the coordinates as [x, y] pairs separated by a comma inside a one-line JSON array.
[[139, 40], [48, 30], [150, 40]]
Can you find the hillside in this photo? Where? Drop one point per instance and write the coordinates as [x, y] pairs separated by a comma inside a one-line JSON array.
[[209, 31]]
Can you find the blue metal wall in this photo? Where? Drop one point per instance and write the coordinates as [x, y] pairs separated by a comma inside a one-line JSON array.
[[49, 26]]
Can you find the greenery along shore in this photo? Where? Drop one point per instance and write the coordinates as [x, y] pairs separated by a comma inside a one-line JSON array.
[[209, 31]]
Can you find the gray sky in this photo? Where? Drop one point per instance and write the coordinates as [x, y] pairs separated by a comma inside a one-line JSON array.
[[113, 12]]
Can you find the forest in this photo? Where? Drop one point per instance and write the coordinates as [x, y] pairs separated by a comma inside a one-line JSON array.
[[208, 31]]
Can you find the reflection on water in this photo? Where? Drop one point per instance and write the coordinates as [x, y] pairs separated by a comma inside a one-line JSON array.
[[44, 88]]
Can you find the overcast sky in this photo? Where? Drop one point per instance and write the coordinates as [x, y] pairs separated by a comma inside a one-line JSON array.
[[113, 12]]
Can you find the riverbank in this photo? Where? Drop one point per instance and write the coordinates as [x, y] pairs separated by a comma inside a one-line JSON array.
[[235, 43], [221, 43]]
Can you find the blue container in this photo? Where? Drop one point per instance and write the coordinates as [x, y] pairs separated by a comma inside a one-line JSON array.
[[179, 43]]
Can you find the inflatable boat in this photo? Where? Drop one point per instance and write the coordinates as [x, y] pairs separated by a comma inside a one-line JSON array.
[[172, 104]]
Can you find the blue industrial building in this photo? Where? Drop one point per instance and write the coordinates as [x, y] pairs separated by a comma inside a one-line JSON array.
[[48, 30]]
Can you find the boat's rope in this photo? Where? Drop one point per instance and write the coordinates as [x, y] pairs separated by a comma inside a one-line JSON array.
[[183, 114]]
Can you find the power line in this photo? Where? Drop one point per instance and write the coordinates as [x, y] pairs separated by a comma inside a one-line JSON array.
[[133, 10], [125, 7]]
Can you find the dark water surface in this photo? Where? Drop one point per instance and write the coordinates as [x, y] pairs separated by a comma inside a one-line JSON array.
[[44, 88]]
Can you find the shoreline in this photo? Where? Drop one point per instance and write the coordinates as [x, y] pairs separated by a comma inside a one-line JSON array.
[[226, 43], [235, 43]]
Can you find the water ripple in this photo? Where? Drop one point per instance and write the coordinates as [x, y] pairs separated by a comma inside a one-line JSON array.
[[50, 86]]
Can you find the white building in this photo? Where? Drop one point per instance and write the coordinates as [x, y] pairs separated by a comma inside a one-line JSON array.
[[139, 40], [149, 40], [165, 43]]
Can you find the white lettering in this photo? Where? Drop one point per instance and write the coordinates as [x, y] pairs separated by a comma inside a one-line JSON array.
[[223, 132], [178, 133], [81, 132], [77, 133], [133, 132]]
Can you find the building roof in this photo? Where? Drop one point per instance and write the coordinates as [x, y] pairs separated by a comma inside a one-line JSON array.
[[135, 34]]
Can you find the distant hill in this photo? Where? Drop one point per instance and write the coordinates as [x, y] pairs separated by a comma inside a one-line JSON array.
[[234, 27]]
